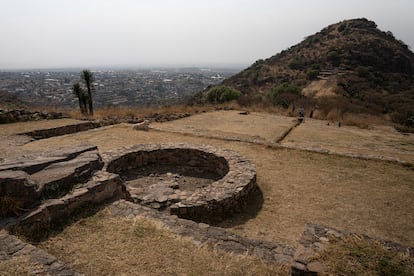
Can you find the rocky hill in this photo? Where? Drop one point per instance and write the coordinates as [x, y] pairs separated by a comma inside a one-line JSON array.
[[349, 67]]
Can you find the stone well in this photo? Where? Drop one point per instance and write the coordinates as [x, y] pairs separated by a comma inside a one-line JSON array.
[[196, 182]]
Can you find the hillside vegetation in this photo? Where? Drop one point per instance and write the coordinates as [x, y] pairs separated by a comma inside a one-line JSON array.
[[350, 67]]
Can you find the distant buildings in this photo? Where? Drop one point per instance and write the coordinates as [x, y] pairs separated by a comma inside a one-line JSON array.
[[128, 87]]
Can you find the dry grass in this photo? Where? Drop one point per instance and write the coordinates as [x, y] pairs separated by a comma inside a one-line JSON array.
[[105, 245], [20, 265], [364, 121], [141, 112], [298, 187], [260, 127], [355, 256], [378, 141]]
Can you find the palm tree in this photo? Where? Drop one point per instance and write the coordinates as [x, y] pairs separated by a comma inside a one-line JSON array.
[[87, 76], [78, 91]]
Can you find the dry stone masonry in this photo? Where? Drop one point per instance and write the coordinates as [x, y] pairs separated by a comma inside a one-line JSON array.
[[21, 115], [191, 184], [233, 178], [202, 233]]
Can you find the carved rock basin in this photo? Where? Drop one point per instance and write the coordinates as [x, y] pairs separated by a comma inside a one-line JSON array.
[[196, 182]]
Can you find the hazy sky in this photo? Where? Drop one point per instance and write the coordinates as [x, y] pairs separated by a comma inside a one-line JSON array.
[[88, 33]]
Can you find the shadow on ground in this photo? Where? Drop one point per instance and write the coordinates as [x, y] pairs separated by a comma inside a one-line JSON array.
[[253, 206]]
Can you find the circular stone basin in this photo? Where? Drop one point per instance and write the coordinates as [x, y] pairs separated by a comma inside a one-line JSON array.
[[196, 182]]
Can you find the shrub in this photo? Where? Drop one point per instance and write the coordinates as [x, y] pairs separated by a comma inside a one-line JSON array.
[[334, 58], [284, 87], [221, 94], [294, 63], [284, 94], [312, 74], [342, 28]]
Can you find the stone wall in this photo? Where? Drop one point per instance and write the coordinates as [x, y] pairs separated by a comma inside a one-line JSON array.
[[208, 204], [101, 188], [63, 130], [20, 115]]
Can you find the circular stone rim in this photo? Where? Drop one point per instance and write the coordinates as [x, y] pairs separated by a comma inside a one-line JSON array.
[[215, 201]]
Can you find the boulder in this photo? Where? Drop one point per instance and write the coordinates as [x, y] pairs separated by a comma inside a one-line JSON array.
[[17, 192]]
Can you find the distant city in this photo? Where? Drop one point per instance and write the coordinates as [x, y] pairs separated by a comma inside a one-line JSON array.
[[143, 87]]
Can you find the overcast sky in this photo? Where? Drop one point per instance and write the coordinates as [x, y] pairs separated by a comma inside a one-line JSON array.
[[90, 33]]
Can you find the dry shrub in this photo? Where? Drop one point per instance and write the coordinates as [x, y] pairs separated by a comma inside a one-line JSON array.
[[356, 256], [334, 115], [9, 206], [362, 120]]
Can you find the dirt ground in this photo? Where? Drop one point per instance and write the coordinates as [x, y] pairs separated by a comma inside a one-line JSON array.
[[298, 187]]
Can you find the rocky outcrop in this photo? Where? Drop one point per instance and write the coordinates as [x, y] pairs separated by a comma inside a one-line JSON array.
[[20, 115], [17, 192], [23, 185]]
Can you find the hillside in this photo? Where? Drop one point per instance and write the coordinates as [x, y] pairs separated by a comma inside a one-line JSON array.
[[348, 67]]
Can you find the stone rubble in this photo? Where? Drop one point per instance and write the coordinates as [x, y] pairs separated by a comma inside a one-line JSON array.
[[316, 238], [21, 115]]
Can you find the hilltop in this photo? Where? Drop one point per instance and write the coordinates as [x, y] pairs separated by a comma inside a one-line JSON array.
[[348, 67]]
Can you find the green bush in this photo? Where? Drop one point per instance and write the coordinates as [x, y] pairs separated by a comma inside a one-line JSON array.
[[342, 28], [284, 88], [284, 94], [334, 58], [221, 94], [295, 63], [312, 74]]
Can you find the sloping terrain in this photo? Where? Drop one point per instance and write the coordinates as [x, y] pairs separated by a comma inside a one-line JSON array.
[[365, 70]]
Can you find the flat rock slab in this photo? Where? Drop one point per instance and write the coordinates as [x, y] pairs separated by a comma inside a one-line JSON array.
[[24, 183], [36, 162], [68, 173]]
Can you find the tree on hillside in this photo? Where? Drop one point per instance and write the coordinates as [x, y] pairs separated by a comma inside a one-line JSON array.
[[82, 98], [87, 76]]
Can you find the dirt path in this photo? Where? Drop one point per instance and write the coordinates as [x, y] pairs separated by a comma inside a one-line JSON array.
[[298, 187]]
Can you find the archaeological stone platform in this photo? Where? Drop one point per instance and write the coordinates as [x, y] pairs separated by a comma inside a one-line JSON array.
[[217, 182]]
